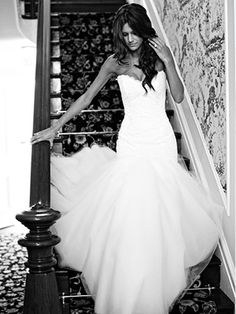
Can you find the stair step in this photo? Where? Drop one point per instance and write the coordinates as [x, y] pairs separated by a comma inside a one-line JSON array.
[[85, 6], [203, 301], [55, 51], [90, 2], [106, 98], [55, 68], [56, 102], [95, 133], [69, 6], [101, 101], [55, 105], [223, 302], [212, 273], [75, 142], [184, 161], [70, 94], [170, 113], [54, 20], [57, 113], [55, 86], [55, 36], [79, 84], [197, 301]]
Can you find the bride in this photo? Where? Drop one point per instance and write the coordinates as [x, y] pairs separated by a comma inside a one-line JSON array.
[[134, 221]]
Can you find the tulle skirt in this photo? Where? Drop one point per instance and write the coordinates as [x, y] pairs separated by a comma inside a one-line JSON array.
[[139, 228]]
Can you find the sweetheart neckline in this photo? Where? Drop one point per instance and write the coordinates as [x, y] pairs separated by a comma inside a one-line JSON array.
[[132, 77]]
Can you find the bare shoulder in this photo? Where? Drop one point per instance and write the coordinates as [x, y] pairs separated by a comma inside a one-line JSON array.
[[107, 70], [159, 66], [114, 66], [111, 65]]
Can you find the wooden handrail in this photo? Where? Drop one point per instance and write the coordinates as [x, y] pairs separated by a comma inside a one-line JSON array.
[[41, 293], [40, 169]]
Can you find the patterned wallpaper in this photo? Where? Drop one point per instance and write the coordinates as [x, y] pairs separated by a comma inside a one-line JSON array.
[[195, 29]]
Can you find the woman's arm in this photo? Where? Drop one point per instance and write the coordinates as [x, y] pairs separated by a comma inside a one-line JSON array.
[[176, 86], [105, 73]]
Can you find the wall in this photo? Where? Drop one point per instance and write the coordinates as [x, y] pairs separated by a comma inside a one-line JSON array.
[[195, 30], [17, 77]]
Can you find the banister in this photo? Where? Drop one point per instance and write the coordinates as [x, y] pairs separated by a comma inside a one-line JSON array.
[[40, 171], [41, 293]]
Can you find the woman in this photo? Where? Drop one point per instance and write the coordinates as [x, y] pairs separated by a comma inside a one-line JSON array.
[[135, 222]]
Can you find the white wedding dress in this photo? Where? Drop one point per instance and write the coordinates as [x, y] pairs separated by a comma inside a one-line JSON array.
[[135, 222]]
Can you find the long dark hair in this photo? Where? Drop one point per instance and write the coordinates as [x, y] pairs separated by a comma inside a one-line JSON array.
[[136, 17]]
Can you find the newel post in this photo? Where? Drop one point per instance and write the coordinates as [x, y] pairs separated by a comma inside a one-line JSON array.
[[41, 292]]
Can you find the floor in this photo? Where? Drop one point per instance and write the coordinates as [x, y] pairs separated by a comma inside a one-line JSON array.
[[12, 269]]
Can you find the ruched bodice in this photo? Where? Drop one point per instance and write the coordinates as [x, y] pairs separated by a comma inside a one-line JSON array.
[[145, 129], [132, 91]]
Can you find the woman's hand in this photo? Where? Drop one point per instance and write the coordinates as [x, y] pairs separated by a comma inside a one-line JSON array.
[[161, 49], [163, 52], [45, 135]]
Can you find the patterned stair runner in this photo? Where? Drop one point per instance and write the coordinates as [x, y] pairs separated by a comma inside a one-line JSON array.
[[13, 275], [84, 44]]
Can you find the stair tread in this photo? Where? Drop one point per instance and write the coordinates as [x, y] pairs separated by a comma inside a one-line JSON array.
[[215, 260], [55, 35], [55, 104], [67, 133], [55, 86], [223, 301], [216, 301], [192, 302], [89, 1], [58, 113], [55, 68]]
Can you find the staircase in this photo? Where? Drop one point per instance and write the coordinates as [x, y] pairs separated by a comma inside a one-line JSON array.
[[77, 54], [80, 42]]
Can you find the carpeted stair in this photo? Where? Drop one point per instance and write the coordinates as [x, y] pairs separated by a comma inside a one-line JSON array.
[[84, 44], [80, 44], [13, 274]]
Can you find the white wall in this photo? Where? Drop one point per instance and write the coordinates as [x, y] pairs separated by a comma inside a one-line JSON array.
[[17, 80]]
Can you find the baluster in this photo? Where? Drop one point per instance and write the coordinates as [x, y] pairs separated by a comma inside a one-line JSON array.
[[33, 9]]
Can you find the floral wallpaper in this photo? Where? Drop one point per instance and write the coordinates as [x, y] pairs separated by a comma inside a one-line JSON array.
[[195, 29]]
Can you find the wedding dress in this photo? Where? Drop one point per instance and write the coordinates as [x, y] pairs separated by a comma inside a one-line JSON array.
[[135, 222]]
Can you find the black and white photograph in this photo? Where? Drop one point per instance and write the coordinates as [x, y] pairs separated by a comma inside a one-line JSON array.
[[118, 156]]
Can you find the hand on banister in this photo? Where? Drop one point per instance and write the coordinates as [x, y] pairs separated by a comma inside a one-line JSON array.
[[44, 135]]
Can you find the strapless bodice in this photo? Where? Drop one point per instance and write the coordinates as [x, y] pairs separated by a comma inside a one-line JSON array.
[[145, 128], [134, 95]]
